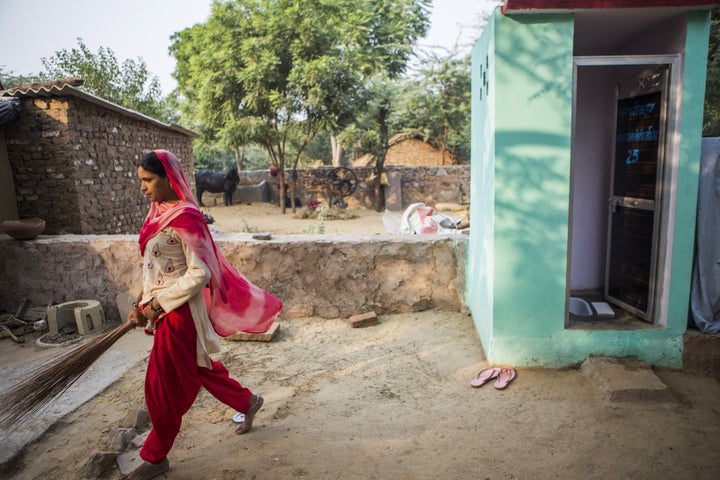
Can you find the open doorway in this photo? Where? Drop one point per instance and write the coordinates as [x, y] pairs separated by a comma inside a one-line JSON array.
[[623, 162]]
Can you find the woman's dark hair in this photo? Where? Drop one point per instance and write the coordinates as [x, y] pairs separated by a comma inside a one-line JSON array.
[[152, 164]]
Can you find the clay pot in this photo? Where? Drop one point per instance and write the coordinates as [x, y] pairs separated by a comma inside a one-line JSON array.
[[25, 229]]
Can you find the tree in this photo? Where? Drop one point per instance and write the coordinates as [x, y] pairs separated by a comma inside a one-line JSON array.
[[129, 85], [9, 79], [275, 72], [711, 123], [394, 27], [436, 102]]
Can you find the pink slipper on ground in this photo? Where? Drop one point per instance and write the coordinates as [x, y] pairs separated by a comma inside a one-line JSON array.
[[484, 376], [505, 376]]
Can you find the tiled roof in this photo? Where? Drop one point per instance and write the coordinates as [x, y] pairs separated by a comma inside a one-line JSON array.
[[66, 88]]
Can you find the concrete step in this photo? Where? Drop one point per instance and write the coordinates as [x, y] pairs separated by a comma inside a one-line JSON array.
[[627, 379]]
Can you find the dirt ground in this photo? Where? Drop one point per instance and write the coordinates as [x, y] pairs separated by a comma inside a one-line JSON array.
[[394, 401], [266, 217]]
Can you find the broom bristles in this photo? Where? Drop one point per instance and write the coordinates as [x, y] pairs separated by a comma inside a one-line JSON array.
[[46, 383]]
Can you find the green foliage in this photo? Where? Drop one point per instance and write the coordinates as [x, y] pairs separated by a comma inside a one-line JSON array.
[[379, 99], [318, 227], [9, 79], [129, 84], [436, 103], [711, 123], [275, 72], [215, 157], [212, 156], [318, 152]]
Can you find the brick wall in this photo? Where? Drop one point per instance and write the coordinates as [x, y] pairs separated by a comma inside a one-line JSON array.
[[74, 164]]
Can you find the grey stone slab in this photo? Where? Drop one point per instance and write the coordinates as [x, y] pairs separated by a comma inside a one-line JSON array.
[[627, 379]]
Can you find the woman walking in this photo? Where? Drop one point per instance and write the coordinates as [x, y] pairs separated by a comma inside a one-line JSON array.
[[190, 297]]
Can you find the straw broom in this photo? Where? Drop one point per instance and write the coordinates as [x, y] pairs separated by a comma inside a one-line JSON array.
[[47, 382]]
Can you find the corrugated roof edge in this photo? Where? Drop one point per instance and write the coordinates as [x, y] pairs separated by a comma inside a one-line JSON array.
[[54, 90]]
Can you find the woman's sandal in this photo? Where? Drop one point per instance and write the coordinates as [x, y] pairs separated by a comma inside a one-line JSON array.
[[256, 401]]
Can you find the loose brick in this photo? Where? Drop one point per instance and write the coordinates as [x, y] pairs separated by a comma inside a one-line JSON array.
[[256, 337], [363, 320]]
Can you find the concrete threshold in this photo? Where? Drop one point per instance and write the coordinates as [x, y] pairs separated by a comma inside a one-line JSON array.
[[627, 379]]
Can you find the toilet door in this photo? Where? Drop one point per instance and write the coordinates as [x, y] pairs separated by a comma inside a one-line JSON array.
[[636, 189]]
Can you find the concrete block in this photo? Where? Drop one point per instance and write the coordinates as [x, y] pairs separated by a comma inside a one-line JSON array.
[[256, 337], [138, 418], [362, 320], [137, 442], [124, 301], [252, 193], [120, 438], [87, 316], [627, 379]]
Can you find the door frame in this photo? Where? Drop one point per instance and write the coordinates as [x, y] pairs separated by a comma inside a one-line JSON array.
[[666, 209]]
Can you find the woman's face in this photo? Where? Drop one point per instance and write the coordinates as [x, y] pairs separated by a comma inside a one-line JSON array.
[[154, 187]]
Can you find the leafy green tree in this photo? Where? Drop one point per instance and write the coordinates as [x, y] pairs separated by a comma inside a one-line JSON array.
[[371, 127], [711, 124], [9, 79], [129, 84], [318, 152], [275, 72], [436, 103]]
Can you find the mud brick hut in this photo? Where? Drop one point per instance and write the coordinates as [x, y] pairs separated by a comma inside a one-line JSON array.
[[70, 158], [409, 149]]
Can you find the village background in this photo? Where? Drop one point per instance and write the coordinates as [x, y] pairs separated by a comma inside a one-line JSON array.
[[389, 401]]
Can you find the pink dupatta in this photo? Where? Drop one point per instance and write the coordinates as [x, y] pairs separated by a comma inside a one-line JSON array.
[[234, 304]]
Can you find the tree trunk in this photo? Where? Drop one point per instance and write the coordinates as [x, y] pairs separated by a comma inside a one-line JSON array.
[[293, 189], [380, 158], [239, 156], [444, 142], [283, 193], [337, 150]]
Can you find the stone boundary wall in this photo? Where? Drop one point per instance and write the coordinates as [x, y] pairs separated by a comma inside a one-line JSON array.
[[327, 276], [429, 185]]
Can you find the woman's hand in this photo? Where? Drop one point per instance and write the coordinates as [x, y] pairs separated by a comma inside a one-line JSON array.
[[152, 310], [136, 317]]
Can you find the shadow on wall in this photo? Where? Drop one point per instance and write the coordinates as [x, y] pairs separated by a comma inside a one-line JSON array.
[[49, 272], [532, 151], [315, 276]]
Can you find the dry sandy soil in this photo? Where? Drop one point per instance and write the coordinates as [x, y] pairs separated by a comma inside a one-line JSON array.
[[394, 401], [266, 217]]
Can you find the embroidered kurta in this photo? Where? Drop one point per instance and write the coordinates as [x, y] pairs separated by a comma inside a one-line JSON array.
[[175, 275]]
